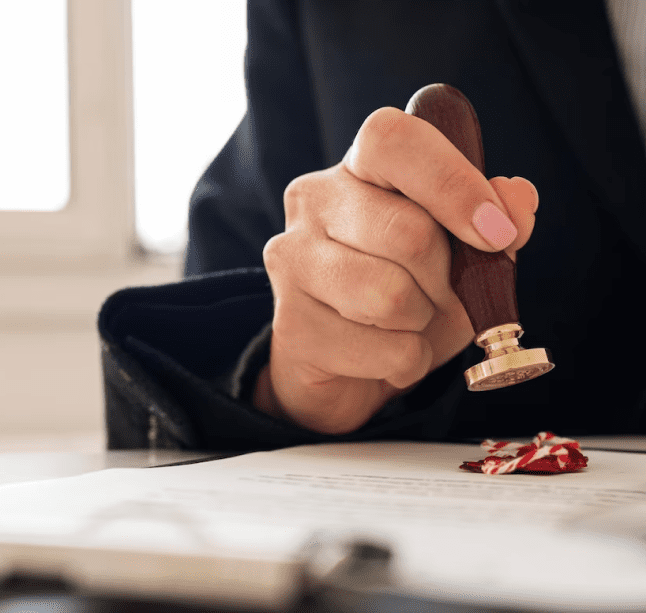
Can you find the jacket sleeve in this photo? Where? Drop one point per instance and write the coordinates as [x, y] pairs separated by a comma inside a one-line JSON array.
[[170, 356], [237, 206]]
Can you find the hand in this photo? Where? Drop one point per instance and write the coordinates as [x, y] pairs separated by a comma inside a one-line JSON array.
[[363, 304]]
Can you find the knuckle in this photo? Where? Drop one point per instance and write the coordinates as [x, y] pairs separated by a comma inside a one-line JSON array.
[[383, 300], [452, 180], [395, 294], [296, 188], [410, 234], [293, 196], [352, 312], [282, 255], [409, 352], [273, 252], [306, 196], [298, 195], [418, 320], [381, 125]]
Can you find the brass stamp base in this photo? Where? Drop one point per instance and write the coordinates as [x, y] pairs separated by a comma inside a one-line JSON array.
[[506, 362]]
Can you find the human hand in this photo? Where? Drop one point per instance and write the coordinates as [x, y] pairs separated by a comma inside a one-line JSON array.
[[363, 304]]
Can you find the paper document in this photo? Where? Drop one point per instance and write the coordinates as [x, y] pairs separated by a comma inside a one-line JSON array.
[[564, 541]]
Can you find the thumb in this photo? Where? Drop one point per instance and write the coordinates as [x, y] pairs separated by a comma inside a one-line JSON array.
[[521, 200]]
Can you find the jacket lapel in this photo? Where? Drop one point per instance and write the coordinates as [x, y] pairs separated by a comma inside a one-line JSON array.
[[569, 53]]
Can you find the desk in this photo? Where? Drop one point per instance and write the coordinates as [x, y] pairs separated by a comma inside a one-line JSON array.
[[18, 467]]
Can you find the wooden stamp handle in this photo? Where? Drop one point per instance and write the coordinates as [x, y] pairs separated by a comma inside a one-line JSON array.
[[484, 282]]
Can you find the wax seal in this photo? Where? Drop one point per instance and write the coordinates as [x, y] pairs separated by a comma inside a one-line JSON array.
[[547, 453], [484, 282]]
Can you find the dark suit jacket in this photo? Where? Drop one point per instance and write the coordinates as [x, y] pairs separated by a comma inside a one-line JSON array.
[[545, 81]]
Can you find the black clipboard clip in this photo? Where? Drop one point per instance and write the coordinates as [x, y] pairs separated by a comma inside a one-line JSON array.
[[344, 574]]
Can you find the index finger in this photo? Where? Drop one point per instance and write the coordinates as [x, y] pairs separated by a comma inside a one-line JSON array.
[[399, 152]]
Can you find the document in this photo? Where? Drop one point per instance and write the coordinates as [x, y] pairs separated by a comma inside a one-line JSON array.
[[555, 542]]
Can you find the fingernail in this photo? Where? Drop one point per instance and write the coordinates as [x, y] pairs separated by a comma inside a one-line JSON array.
[[494, 226]]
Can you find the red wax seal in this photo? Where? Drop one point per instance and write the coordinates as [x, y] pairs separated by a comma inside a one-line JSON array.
[[547, 453]]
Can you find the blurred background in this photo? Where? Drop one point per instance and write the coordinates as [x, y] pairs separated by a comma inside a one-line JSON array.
[[110, 111]]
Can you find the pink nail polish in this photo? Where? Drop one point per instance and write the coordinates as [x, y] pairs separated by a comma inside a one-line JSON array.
[[494, 226]]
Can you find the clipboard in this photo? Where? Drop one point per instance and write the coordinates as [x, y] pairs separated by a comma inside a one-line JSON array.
[[331, 570]]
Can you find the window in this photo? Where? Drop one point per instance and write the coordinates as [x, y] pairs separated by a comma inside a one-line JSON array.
[[189, 96], [68, 236], [95, 228], [34, 108]]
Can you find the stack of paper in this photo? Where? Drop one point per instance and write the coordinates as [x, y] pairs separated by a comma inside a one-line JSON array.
[[234, 529]]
